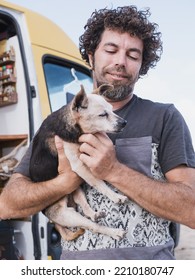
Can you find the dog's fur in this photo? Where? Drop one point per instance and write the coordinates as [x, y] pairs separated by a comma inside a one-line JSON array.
[[84, 114]]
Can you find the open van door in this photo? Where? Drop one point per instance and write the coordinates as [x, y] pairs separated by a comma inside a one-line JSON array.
[[39, 73]]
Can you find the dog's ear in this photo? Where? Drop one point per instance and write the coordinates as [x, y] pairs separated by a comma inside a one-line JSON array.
[[103, 88], [80, 100]]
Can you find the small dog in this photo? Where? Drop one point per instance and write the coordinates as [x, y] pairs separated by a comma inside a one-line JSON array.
[[84, 114]]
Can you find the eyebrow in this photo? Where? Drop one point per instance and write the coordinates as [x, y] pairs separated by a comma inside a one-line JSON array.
[[130, 49]]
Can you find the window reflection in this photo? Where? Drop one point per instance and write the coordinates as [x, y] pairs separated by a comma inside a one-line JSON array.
[[64, 81]]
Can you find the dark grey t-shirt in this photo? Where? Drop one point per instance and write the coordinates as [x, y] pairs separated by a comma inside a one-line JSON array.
[[155, 140]]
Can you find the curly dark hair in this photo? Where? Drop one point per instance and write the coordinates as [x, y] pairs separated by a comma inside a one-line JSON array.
[[123, 19]]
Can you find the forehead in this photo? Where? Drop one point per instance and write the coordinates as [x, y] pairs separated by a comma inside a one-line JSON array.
[[120, 40]]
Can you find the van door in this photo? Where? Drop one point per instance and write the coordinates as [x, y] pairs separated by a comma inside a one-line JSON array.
[[16, 129], [25, 72]]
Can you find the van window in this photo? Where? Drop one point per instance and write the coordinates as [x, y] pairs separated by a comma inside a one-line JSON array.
[[63, 81]]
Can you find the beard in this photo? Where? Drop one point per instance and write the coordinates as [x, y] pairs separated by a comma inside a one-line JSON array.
[[118, 93]]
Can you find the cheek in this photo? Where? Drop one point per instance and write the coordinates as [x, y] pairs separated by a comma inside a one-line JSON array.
[[134, 68], [101, 61]]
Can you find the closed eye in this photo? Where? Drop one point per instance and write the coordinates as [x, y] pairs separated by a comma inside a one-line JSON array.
[[111, 52], [105, 114]]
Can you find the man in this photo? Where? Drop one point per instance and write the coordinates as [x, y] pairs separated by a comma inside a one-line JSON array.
[[152, 161]]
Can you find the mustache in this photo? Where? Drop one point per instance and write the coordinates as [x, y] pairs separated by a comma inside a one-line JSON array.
[[118, 69]]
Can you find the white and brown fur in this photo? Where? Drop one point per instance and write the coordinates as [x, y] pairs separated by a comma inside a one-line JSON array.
[[84, 114]]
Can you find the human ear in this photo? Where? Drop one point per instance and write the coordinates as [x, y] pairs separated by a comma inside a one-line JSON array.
[[91, 60]]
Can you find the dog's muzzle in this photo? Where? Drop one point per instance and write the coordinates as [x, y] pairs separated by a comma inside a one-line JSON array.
[[121, 123]]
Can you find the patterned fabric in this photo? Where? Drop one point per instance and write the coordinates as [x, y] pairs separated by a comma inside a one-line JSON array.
[[143, 228]]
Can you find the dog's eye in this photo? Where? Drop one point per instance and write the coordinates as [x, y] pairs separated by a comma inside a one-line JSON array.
[[105, 114]]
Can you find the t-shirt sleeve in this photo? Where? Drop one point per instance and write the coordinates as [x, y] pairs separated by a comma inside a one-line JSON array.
[[24, 164], [176, 144]]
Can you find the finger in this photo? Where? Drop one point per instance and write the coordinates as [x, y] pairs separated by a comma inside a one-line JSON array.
[[95, 140], [90, 144], [87, 138], [59, 143], [88, 149], [62, 160], [60, 147], [103, 138], [86, 159]]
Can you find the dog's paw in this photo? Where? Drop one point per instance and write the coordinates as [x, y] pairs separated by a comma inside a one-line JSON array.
[[118, 234], [120, 199]]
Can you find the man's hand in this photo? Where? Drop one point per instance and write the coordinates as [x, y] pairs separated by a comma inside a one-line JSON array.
[[64, 169], [98, 153]]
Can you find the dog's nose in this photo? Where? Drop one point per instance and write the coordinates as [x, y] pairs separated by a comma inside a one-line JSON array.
[[121, 123], [124, 123]]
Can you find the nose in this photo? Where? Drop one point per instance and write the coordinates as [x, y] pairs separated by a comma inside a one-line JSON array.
[[120, 59], [121, 123]]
